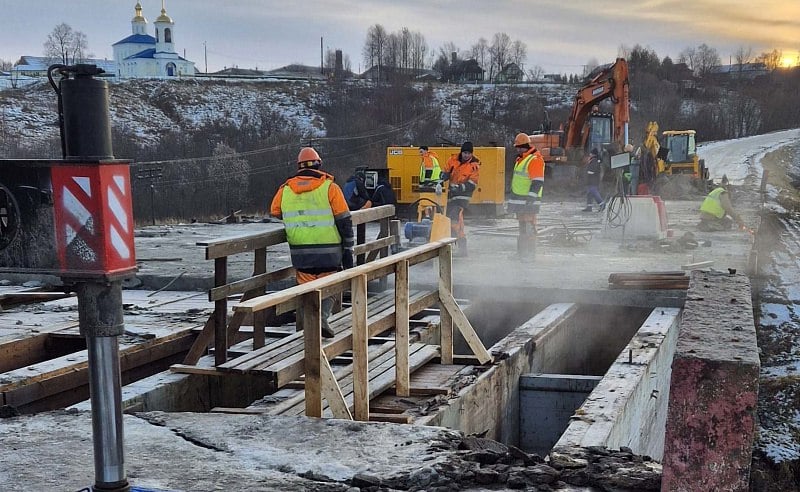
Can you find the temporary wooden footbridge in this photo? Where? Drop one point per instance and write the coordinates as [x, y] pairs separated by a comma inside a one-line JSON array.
[[303, 359]]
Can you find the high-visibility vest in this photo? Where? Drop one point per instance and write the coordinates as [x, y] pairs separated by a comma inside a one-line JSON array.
[[713, 205], [521, 180], [435, 170], [314, 240]]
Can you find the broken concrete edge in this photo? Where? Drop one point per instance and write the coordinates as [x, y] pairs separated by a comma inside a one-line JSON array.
[[263, 452], [628, 408], [712, 415]]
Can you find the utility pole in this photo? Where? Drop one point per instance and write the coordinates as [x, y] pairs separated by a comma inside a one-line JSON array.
[[321, 63], [151, 174], [205, 55]]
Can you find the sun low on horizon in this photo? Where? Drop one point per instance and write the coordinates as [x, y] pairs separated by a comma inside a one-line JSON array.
[[790, 60]]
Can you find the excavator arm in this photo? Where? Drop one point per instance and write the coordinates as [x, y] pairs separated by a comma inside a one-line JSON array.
[[610, 82]]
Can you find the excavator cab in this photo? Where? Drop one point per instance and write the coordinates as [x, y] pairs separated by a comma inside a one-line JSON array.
[[600, 132]]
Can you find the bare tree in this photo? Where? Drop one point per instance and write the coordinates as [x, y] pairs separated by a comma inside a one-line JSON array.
[[535, 73], [230, 172], [65, 45], [480, 52], [5, 65], [772, 59], [707, 59], [519, 52], [743, 56], [689, 57], [445, 57], [374, 47], [419, 50], [499, 52]]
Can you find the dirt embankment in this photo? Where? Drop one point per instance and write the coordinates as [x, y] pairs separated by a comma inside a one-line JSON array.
[[782, 180]]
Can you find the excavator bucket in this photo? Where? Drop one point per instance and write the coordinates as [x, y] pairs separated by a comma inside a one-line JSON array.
[[440, 228]]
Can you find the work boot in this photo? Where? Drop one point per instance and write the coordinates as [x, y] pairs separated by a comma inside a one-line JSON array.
[[587, 209]]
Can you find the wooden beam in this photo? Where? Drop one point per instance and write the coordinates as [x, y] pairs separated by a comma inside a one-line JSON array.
[[312, 335], [220, 313], [464, 326], [372, 246], [445, 318], [358, 296], [395, 418], [337, 282], [331, 390], [371, 214], [202, 342], [221, 248], [187, 369], [401, 327], [259, 318], [254, 282]]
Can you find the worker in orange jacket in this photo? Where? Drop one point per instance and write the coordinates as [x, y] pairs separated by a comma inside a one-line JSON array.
[[527, 183], [463, 170], [318, 226]]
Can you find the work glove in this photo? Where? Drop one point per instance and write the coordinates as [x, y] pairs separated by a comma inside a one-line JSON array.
[[347, 258]]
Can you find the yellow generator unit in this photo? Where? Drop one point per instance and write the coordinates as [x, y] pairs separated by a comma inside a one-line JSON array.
[[404, 163]]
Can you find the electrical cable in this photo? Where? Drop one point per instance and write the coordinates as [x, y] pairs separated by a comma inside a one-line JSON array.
[[618, 207]]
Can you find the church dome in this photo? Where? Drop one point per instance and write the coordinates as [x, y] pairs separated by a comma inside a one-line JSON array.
[[139, 17], [164, 17]]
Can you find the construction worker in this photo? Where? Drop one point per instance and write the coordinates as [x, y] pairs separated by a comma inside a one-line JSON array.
[[429, 169], [355, 190], [318, 226], [462, 172], [716, 211], [593, 182], [527, 184]]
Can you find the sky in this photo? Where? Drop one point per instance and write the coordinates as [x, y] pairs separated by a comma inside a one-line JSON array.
[[561, 35]]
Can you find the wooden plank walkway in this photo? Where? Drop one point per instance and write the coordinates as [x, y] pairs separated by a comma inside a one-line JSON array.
[[282, 361]]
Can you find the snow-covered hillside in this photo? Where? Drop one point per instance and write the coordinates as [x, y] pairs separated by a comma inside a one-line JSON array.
[[149, 109]]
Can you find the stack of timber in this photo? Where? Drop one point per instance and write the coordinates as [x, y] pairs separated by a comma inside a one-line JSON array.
[[649, 280]]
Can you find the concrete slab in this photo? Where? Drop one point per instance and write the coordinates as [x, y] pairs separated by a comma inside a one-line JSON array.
[[216, 452]]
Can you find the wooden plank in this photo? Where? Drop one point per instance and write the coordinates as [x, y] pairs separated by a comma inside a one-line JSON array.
[[371, 214], [201, 343], [220, 313], [428, 391], [221, 248], [187, 369], [445, 318], [383, 375], [358, 295], [23, 352], [375, 245], [401, 327], [254, 282], [312, 335], [394, 418], [344, 375], [331, 390], [71, 371], [464, 326]]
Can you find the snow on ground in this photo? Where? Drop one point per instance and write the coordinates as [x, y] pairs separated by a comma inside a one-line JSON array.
[[741, 158]]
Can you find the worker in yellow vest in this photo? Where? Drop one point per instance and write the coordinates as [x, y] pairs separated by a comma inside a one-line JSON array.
[[429, 169], [716, 211], [527, 183], [318, 226]]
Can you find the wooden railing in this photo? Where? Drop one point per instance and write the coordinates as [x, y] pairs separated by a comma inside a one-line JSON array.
[[219, 331], [319, 378]]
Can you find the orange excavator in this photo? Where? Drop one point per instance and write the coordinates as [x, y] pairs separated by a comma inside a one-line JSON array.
[[587, 127]]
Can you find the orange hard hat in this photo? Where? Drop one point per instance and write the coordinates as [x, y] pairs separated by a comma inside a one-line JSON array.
[[308, 154], [522, 139]]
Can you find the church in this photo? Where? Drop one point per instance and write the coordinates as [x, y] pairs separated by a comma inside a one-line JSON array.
[[141, 55]]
